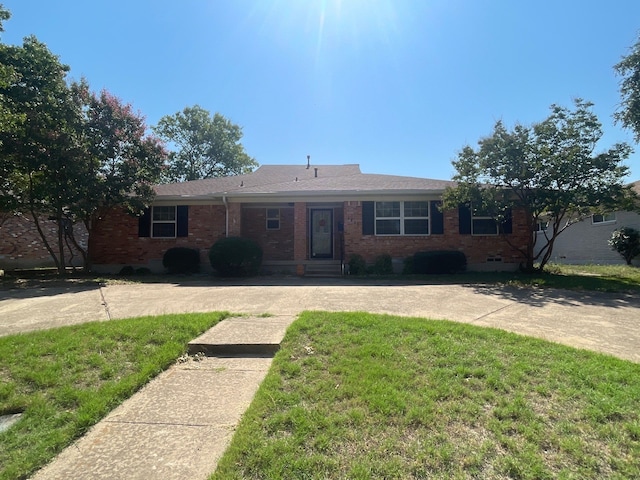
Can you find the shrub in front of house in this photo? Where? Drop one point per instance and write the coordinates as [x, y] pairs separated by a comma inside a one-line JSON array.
[[407, 266], [126, 271], [181, 260], [235, 257], [439, 261], [383, 265], [357, 265]]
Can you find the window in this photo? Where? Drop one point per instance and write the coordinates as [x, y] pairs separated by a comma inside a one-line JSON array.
[[163, 222], [402, 218], [542, 226], [477, 222], [482, 223], [603, 218], [273, 219]]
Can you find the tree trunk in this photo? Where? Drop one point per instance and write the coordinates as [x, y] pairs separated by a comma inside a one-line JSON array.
[[44, 239], [62, 268]]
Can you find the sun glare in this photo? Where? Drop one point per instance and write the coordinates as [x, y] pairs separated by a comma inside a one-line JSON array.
[[329, 24]]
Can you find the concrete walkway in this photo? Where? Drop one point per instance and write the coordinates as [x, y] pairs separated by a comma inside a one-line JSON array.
[[179, 425], [181, 422], [602, 322]]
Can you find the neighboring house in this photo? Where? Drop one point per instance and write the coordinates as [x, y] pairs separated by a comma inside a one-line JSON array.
[[307, 219], [585, 242], [21, 246]]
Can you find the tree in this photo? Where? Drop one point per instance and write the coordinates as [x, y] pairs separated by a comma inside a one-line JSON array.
[[39, 147], [120, 162], [206, 146], [69, 155], [629, 70], [548, 171], [626, 241]]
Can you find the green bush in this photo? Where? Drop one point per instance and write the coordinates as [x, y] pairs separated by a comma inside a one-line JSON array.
[[383, 265], [126, 271], [143, 271], [357, 265], [235, 257], [181, 260], [626, 241], [407, 266], [442, 261]]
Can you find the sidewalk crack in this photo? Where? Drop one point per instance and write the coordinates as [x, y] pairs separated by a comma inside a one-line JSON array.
[[491, 313], [104, 302]]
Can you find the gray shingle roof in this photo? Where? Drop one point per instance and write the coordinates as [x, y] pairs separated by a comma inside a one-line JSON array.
[[299, 180]]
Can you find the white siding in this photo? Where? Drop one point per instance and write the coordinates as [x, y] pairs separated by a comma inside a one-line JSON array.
[[586, 243]]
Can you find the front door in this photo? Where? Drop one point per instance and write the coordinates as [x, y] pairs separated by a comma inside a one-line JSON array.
[[321, 233]]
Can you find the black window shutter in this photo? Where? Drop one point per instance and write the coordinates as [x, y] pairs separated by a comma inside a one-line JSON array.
[[182, 220], [144, 223], [464, 219], [368, 212], [506, 226], [437, 218]]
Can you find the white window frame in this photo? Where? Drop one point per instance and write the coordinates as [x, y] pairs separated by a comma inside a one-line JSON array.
[[163, 221], [272, 218], [401, 218], [607, 218], [483, 217]]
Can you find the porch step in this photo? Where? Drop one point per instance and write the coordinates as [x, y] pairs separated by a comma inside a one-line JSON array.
[[242, 336], [323, 269]]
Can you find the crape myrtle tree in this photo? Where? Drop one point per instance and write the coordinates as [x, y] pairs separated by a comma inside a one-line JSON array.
[[68, 155], [122, 162], [202, 146], [550, 171]]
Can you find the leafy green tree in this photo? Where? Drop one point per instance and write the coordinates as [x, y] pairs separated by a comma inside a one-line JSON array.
[[68, 155], [205, 146], [39, 148], [626, 241], [549, 172], [629, 71]]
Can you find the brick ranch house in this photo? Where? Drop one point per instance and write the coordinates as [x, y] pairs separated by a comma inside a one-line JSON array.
[[307, 219]]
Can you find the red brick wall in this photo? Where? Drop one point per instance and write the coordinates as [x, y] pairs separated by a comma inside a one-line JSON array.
[[478, 249], [22, 247], [116, 239], [116, 242], [276, 244]]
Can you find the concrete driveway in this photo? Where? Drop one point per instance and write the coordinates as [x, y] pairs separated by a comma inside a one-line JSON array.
[[601, 322]]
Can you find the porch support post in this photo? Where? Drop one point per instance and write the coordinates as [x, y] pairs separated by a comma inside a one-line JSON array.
[[300, 236]]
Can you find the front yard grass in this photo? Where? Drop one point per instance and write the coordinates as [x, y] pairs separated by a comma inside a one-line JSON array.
[[360, 396], [603, 278], [65, 380]]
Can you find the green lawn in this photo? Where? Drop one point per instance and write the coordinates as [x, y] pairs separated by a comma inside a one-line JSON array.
[[604, 278], [356, 395], [64, 380]]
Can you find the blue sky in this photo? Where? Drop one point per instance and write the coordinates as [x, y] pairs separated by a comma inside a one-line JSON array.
[[398, 86]]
